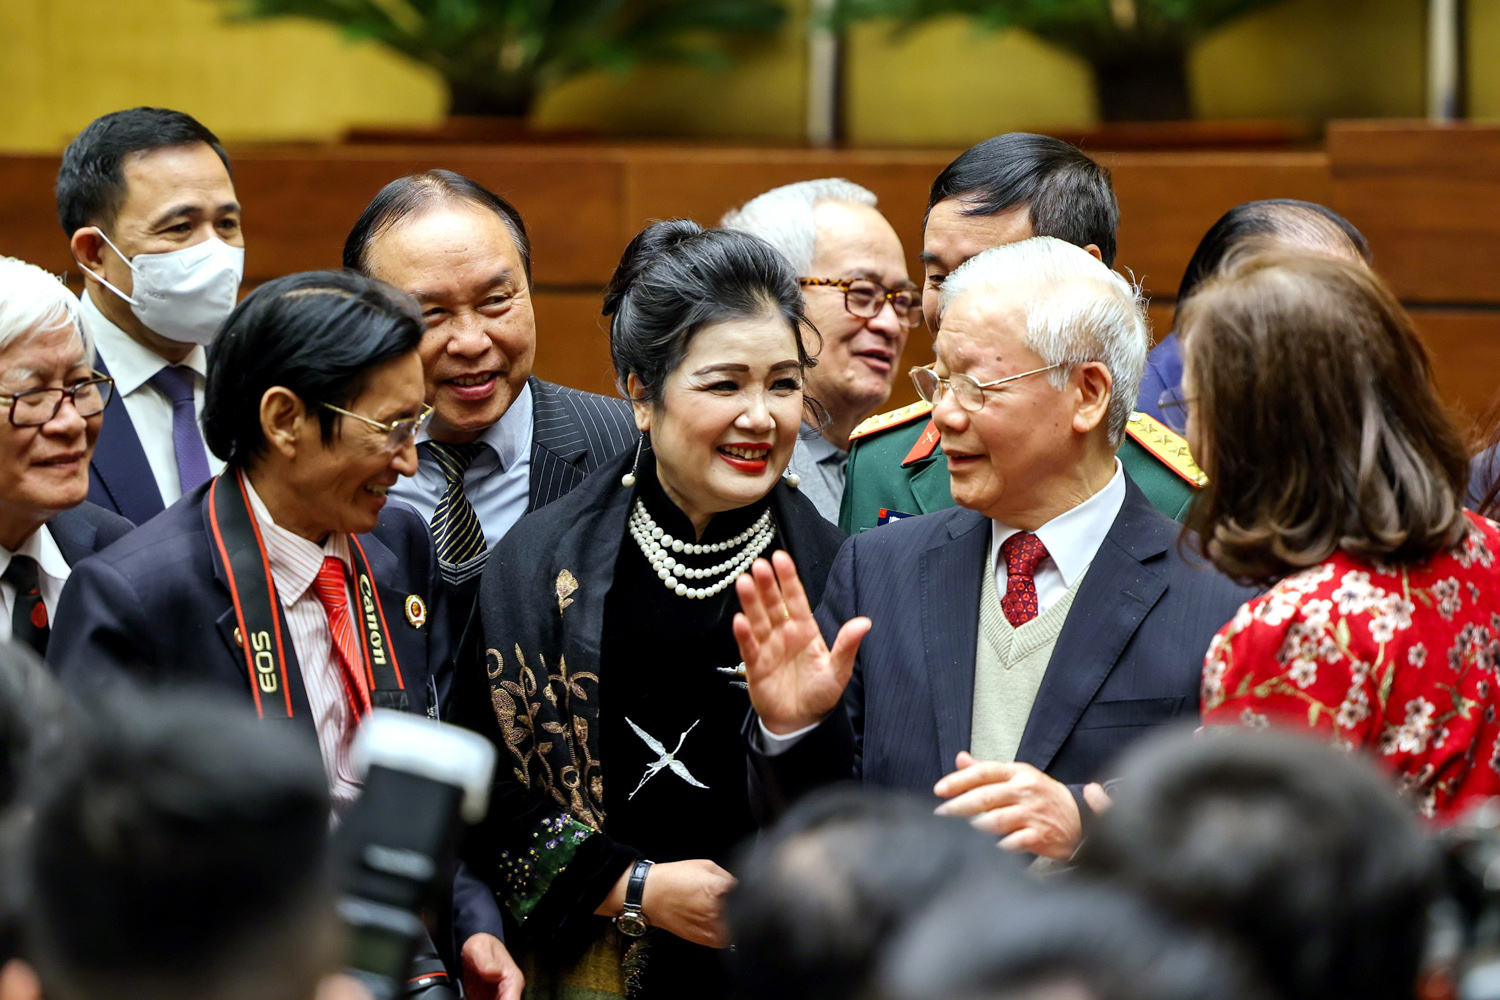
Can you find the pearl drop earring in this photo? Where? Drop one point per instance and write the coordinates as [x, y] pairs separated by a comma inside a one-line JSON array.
[[793, 480], [628, 480]]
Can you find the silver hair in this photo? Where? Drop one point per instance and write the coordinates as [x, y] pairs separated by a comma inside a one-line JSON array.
[[783, 216], [1077, 310], [32, 301]]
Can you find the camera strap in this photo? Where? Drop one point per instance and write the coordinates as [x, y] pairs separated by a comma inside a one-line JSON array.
[[264, 638]]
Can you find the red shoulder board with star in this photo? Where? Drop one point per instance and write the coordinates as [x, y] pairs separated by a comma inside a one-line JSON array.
[[893, 418], [924, 445]]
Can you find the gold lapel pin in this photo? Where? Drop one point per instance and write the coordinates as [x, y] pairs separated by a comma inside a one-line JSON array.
[[416, 610]]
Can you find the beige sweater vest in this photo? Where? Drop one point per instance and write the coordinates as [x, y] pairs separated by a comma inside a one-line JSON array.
[[1009, 664]]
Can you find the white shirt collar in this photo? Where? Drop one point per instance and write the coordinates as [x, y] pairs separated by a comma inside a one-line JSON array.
[[41, 546], [509, 436], [131, 364], [295, 561], [1073, 537]]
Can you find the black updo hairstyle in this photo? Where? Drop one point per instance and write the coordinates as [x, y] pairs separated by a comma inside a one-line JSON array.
[[675, 278]]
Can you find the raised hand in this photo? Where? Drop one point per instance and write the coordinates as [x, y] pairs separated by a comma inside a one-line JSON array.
[[795, 679]]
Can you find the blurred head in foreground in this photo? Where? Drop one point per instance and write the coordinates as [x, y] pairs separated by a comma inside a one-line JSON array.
[[822, 894], [1300, 853], [183, 855], [1056, 941]]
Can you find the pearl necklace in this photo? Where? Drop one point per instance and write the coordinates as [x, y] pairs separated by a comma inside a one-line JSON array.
[[658, 548]]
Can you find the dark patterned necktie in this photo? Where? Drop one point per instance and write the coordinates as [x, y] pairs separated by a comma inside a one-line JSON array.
[[1022, 552], [456, 531], [28, 615]]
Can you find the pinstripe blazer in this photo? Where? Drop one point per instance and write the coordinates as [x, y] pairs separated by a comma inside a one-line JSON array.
[[1129, 656], [572, 434]]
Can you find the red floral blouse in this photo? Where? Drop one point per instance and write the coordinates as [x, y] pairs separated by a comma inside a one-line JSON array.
[[1400, 662]]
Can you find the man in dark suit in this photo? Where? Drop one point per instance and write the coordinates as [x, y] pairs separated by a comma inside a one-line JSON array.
[[502, 442], [1001, 653], [152, 220], [289, 580], [53, 403]]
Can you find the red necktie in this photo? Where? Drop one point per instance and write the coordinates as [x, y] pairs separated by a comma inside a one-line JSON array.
[[333, 593], [1022, 552]]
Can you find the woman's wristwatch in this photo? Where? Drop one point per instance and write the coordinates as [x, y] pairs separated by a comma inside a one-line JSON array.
[[632, 919]]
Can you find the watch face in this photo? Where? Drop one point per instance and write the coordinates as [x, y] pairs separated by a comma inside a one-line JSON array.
[[632, 923]]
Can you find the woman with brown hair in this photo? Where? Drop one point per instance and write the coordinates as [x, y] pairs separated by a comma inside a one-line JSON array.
[[1336, 479]]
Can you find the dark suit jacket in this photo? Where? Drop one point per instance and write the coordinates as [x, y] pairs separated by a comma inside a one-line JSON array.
[[156, 604], [83, 530], [1129, 656], [572, 434], [120, 478]]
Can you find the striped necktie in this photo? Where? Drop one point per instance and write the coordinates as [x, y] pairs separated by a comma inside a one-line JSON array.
[[330, 586], [456, 531]]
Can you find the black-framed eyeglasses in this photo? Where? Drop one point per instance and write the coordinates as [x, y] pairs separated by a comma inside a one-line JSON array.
[[399, 433], [1174, 409], [970, 394], [35, 407], [865, 298]]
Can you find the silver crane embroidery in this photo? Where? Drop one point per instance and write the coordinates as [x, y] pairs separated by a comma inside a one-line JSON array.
[[666, 760]]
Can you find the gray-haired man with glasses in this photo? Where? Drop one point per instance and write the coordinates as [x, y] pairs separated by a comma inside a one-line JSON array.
[[858, 295], [1001, 653], [53, 402]]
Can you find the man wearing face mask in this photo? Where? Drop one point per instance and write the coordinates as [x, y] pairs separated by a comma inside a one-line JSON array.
[[146, 199]]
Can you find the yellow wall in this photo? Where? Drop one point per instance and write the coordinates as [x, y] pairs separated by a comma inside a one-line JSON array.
[[63, 62]]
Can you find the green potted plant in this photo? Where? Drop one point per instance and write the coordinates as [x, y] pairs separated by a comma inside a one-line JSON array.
[[1138, 49], [497, 56]]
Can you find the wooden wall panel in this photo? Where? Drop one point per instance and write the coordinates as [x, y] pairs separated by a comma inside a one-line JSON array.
[[1465, 349], [572, 341], [1168, 201], [1428, 199], [28, 212]]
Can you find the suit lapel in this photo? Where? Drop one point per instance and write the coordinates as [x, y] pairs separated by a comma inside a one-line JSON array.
[[119, 468], [1118, 591], [950, 613], [74, 534], [557, 443]]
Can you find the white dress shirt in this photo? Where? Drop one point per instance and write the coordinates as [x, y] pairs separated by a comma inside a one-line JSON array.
[[53, 572], [132, 365], [295, 562], [1072, 539], [497, 484]]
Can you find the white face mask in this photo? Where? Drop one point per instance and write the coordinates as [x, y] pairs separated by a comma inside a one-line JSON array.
[[184, 295]]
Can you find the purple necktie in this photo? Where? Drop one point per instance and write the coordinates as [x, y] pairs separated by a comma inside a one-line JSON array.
[[176, 382]]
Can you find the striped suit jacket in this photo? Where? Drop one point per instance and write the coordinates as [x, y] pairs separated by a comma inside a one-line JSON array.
[[1129, 657], [572, 434]]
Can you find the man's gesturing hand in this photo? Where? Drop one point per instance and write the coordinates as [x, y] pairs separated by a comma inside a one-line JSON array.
[[489, 971], [1024, 807], [795, 679]]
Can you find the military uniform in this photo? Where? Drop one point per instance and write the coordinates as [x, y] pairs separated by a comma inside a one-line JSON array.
[[897, 469]]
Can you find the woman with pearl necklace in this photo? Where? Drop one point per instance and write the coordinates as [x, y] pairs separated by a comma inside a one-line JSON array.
[[610, 663]]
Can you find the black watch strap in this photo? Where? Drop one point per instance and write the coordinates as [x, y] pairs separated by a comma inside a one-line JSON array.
[[635, 889]]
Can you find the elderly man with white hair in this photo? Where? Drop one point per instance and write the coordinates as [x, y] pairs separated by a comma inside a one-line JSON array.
[[999, 654], [857, 293], [53, 404]]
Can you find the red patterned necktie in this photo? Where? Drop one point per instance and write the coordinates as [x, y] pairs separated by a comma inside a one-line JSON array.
[[333, 593], [1022, 552]]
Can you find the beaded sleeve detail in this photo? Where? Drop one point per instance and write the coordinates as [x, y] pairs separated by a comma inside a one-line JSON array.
[[553, 843]]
